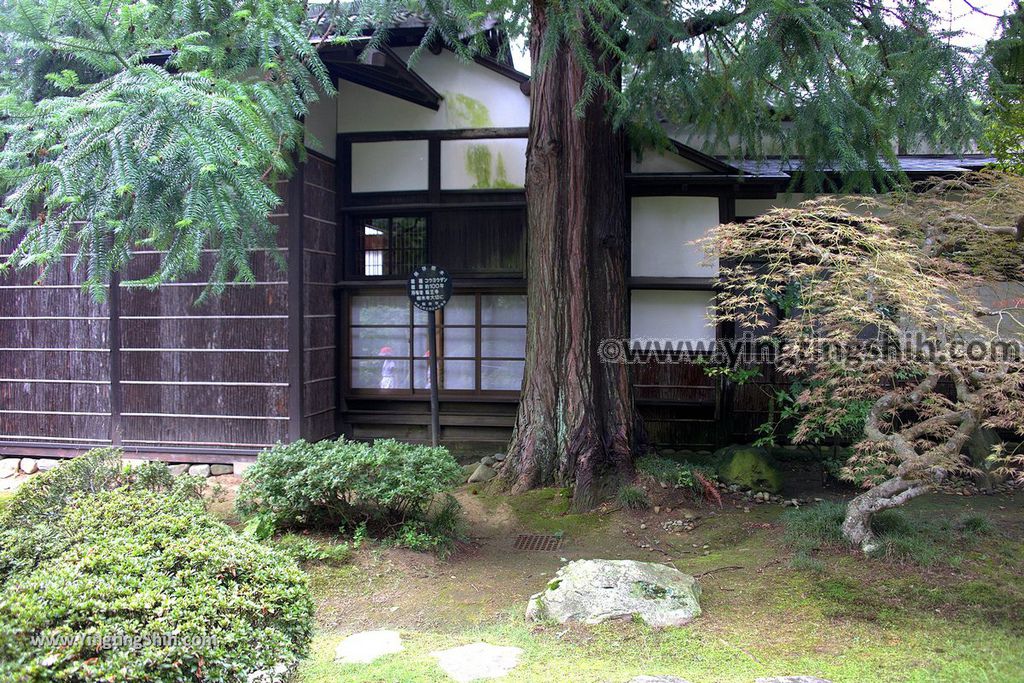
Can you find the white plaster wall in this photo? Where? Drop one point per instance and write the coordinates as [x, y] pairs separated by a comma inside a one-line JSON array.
[[665, 314], [660, 161], [389, 166], [505, 158], [322, 126], [474, 97], [746, 208], [662, 229]]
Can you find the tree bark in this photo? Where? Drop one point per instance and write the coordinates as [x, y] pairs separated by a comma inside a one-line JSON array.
[[889, 494], [575, 425]]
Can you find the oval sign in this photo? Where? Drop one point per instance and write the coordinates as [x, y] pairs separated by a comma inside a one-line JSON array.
[[430, 288]]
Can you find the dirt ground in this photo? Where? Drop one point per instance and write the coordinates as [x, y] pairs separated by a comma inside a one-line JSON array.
[[761, 615]]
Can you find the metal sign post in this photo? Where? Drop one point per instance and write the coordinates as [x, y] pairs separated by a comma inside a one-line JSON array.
[[430, 288]]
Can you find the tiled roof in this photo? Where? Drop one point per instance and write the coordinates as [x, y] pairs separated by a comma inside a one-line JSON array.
[[913, 164]]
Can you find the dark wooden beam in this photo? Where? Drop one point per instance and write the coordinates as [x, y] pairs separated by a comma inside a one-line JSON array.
[[114, 337], [296, 296], [383, 70], [680, 283], [446, 134]]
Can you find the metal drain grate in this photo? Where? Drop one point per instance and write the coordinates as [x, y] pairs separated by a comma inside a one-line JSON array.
[[533, 542]]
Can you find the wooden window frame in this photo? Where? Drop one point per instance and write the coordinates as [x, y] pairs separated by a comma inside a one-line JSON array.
[[411, 391]]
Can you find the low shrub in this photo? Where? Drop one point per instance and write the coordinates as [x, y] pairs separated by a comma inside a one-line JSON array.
[[178, 594], [633, 498], [306, 549], [339, 483], [30, 524]]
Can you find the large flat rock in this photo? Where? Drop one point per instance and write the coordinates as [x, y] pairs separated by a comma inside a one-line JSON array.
[[477, 662], [368, 646], [594, 591]]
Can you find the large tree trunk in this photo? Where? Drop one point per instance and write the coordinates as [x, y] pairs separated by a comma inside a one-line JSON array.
[[576, 420], [889, 494]]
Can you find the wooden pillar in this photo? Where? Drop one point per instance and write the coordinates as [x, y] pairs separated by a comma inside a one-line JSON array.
[[114, 340], [296, 308]]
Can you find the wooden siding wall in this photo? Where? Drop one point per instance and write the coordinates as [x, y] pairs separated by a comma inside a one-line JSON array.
[[320, 245], [150, 369], [682, 406], [205, 375], [54, 360]]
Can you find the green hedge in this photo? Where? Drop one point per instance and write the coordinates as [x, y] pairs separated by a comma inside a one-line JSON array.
[[341, 483], [128, 564]]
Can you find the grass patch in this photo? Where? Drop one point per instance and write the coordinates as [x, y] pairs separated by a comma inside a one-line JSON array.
[[306, 549], [547, 510], [906, 537], [633, 498], [620, 651]]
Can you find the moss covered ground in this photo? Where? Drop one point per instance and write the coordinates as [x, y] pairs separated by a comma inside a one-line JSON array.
[[769, 607]]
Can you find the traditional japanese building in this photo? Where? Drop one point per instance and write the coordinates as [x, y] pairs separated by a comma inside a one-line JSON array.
[[408, 164]]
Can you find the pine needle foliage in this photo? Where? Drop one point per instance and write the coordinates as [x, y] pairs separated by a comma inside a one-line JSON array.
[[159, 125], [843, 85], [1004, 135]]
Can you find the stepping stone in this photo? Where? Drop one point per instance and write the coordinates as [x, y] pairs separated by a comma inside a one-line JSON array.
[[365, 647], [478, 661], [791, 679]]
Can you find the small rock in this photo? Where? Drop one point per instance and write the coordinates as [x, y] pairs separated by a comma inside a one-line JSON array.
[[468, 470], [642, 527], [29, 465], [478, 661], [657, 509], [365, 647], [499, 457], [45, 464], [9, 467], [178, 469], [487, 460], [481, 474], [239, 468], [199, 470], [218, 470]]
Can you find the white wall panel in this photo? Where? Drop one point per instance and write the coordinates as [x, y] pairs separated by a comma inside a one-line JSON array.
[[474, 97], [669, 314], [322, 126], [656, 161], [482, 164], [746, 208], [389, 166], [662, 229]]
